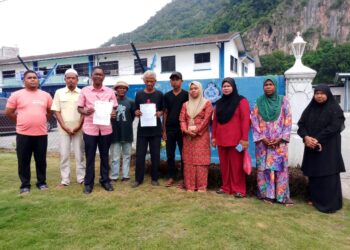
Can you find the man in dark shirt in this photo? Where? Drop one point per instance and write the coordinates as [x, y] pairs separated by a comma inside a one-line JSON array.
[[148, 135], [173, 101], [122, 135]]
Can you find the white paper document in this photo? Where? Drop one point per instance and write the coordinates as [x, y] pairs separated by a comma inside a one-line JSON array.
[[148, 117], [102, 114]]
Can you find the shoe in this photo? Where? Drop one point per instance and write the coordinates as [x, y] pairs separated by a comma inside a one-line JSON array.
[[114, 180], [108, 187], [135, 184], [125, 179], [155, 183], [220, 191], [43, 187], [81, 182], [87, 190], [24, 191]]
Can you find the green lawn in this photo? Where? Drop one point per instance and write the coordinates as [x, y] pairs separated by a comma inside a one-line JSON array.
[[155, 218]]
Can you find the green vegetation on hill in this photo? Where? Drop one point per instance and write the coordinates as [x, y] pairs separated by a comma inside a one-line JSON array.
[[327, 60], [182, 18]]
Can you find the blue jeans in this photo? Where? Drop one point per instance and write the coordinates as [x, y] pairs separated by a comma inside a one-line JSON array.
[[116, 149]]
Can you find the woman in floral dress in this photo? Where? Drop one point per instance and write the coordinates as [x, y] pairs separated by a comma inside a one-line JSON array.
[[272, 122], [194, 121]]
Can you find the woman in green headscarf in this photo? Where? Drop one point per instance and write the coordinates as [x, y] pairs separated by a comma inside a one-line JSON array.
[[272, 124]]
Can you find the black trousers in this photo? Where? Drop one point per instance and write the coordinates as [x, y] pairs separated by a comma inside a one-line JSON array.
[[103, 143], [173, 138], [26, 145], [141, 150]]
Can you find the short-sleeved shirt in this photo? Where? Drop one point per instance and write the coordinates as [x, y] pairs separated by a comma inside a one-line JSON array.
[[172, 105], [31, 108], [122, 124], [65, 102], [87, 98], [143, 98]]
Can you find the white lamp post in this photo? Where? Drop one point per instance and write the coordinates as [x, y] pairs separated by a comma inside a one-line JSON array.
[[298, 47], [299, 92]]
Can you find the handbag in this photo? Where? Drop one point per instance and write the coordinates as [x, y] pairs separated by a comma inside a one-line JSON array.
[[247, 162]]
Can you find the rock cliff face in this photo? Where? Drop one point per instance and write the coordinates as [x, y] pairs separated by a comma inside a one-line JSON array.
[[315, 19]]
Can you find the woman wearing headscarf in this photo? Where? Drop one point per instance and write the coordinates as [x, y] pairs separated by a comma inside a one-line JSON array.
[[272, 122], [320, 126], [194, 121], [231, 125]]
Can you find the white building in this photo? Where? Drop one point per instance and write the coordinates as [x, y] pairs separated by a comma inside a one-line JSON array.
[[209, 57]]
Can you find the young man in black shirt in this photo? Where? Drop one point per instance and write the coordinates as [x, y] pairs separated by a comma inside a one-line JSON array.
[[148, 135], [173, 101]]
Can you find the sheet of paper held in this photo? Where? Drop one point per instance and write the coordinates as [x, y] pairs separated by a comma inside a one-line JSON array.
[[102, 114], [148, 117]]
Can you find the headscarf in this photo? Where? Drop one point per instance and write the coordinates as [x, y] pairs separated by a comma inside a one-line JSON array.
[[317, 116], [196, 105], [270, 106], [227, 105]]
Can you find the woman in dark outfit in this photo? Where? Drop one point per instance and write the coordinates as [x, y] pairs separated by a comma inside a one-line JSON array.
[[320, 126]]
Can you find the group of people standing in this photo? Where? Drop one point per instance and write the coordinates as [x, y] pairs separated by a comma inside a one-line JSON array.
[[183, 119]]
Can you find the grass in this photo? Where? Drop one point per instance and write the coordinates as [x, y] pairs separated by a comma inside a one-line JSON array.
[[155, 218]]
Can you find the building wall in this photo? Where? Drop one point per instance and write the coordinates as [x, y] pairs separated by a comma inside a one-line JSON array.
[[184, 62]]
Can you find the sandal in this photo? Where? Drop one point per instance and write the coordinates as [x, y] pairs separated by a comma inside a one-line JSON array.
[[288, 203], [170, 183], [181, 185], [268, 201], [238, 195]]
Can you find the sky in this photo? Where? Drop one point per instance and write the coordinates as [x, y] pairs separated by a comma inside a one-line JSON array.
[[47, 26]]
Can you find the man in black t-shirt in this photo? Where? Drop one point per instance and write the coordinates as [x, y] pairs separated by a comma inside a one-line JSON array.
[[148, 135], [173, 101]]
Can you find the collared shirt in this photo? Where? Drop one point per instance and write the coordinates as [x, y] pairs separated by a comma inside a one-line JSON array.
[[65, 102], [87, 98], [31, 108]]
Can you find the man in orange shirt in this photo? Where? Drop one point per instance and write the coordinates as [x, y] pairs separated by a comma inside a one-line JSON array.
[[29, 108]]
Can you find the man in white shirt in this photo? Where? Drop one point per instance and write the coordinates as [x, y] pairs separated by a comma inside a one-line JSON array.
[[70, 123]]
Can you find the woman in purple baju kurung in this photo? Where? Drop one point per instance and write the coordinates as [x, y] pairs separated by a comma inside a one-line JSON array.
[[272, 123]]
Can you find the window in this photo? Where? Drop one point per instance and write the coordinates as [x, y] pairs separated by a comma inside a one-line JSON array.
[[8, 74], [82, 69], [202, 58], [337, 98], [168, 63], [110, 68], [233, 64], [44, 70], [61, 69], [138, 69], [242, 69]]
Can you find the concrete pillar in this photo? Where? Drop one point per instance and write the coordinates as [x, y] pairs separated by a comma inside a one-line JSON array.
[[299, 92]]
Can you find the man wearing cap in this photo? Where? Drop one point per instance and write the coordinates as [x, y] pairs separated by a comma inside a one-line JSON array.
[[94, 133], [122, 135], [70, 122], [173, 101]]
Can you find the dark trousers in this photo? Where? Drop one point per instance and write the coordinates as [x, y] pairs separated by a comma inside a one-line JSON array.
[[103, 143], [26, 145], [173, 138], [141, 150]]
